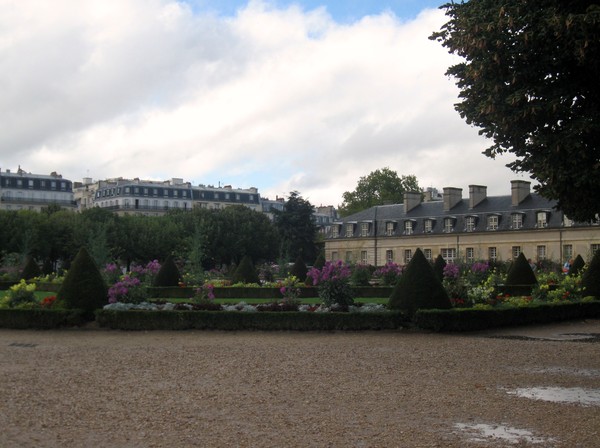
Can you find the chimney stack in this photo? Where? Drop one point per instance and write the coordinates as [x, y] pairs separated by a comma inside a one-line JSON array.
[[411, 200], [452, 196], [477, 193], [520, 191]]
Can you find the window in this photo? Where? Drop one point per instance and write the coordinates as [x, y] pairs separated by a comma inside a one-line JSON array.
[[216, 195], [516, 251], [127, 190], [364, 229], [407, 255], [237, 197], [335, 231], [389, 256], [175, 193], [363, 257], [145, 192], [428, 254], [517, 221], [19, 182], [492, 253], [166, 193], [226, 195], [594, 248], [63, 186], [470, 223], [155, 191], [251, 198], [166, 204], [408, 227], [542, 219], [348, 257], [568, 251], [389, 228], [349, 230], [449, 255], [53, 185], [541, 253], [492, 223], [30, 183], [428, 225], [334, 256], [448, 225], [470, 254]]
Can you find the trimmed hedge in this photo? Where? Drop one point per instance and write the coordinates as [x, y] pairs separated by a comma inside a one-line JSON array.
[[39, 319], [234, 292], [469, 319], [233, 321]]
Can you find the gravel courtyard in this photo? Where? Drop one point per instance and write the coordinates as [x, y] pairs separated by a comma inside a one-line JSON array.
[[101, 388]]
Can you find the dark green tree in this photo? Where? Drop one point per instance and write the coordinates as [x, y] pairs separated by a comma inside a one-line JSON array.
[[591, 277], [529, 81], [382, 186], [299, 269], [83, 287], [438, 267], [245, 272], [31, 269], [296, 228], [577, 265], [418, 288]]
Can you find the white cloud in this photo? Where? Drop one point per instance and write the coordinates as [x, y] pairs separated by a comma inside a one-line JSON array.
[[280, 99]]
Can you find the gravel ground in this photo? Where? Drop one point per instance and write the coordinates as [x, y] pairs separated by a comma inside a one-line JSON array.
[[101, 388]]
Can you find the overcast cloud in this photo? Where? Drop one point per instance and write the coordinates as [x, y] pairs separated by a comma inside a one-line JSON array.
[[281, 99]]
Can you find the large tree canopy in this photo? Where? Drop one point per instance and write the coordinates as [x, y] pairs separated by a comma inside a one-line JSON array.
[[380, 187], [529, 81]]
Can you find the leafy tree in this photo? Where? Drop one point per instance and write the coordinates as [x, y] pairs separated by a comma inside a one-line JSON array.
[[529, 81], [297, 229], [299, 269], [168, 275], [591, 277], [382, 186]]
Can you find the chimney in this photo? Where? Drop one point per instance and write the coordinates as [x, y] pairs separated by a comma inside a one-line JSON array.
[[519, 190], [411, 200], [452, 196], [477, 193]]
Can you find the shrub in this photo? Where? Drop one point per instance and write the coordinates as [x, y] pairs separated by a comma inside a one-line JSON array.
[[389, 273], [577, 265], [438, 267], [20, 295], [361, 275], [520, 273], [127, 290], [83, 286], [320, 261], [299, 269], [332, 282], [168, 274], [31, 269], [419, 288], [591, 277], [245, 272]]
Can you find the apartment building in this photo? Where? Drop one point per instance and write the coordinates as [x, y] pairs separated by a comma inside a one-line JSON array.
[[21, 190], [474, 228]]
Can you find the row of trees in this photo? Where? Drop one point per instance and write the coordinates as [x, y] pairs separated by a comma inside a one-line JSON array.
[[205, 238]]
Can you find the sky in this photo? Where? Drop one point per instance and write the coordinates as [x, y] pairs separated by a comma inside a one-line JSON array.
[[305, 96]]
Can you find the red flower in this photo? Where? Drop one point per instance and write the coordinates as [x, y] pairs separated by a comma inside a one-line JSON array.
[[48, 301]]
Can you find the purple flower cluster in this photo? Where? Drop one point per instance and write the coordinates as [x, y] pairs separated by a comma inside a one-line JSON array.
[[332, 271], [451, 271], [119, 291], [480, 267]]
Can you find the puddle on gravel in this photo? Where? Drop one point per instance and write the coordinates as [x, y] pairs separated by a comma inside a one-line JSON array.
[[482, 432], [566, 371], [577, 395]]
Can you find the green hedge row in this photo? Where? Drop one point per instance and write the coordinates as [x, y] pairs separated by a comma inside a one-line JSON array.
[[40, 319], [230, 320], [469, 319], [234, 292]]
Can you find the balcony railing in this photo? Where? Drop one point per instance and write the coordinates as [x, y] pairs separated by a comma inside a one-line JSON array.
[[37, 201]]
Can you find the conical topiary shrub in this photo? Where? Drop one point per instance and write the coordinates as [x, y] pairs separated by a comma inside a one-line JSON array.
[[83, 287], [299, 269], [168, 274], [520, 277], [319, 262], [577, 265], [591, 277], [245, 272], [418, 288], [31, 269], [438, 267]]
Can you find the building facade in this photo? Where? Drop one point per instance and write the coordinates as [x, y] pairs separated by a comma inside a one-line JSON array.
[[135, 196], [476, 228], [25, 191]]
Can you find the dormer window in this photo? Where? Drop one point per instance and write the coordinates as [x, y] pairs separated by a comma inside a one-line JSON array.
[[335, 231], [470, 223], [389, 228], [517, 221], [492, 222], [349, 230], [364, 229], [428, 226], [448, 225], [409, 227], [542, 219]]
